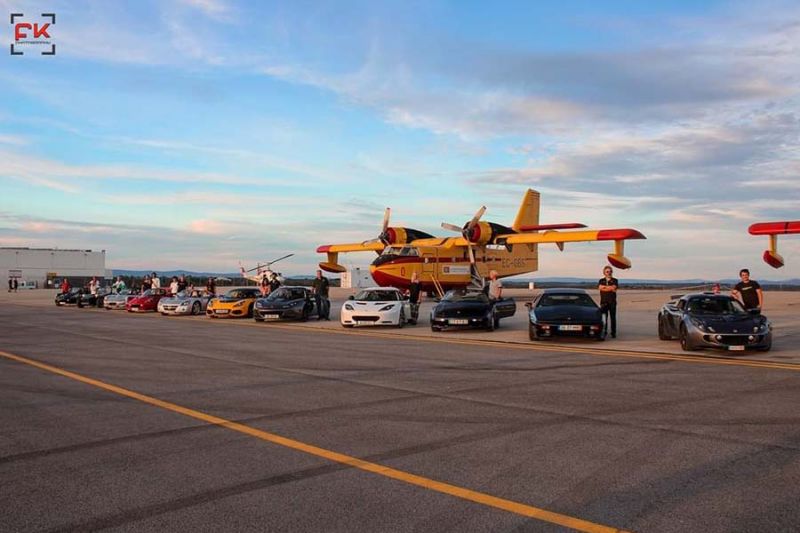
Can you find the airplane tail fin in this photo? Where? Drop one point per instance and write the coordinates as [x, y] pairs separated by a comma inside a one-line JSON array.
[[528, 214]]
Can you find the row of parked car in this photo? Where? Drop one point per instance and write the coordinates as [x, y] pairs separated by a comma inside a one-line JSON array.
[[697, 320]]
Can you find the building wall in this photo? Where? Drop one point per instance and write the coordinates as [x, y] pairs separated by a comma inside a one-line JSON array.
[[34, 264]]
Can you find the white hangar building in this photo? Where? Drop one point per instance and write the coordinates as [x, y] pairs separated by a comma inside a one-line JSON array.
[[41, 266]]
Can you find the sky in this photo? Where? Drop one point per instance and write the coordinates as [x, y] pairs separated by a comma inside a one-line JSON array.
[[195, 134]]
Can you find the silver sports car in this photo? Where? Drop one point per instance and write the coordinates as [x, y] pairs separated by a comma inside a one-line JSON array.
[[118, 300], [185, 303]]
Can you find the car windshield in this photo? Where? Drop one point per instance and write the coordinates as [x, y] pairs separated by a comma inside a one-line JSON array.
[[238, 294], [715, 306], [465, 296], [551, 300], [377, 296], [286, 294], [148, 292]]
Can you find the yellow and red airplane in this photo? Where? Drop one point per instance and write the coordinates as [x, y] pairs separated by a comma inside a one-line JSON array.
[[773, 229], [452, 262]]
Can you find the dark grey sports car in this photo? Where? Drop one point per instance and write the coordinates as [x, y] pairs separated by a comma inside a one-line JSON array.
[[87, 299], [69, 298], [470, 309], [564, 313], [702, 320], [285, 303]]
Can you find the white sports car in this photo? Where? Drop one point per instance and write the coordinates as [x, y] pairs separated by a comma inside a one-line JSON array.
[[185, 303], [376, 306], [118, 300]]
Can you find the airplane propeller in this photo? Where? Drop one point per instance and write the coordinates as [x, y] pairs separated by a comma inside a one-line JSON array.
[[466, 231], [383, 236]]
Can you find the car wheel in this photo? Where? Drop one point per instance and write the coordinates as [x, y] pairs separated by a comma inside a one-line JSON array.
[[258, 319], [662, 333], [436, 328], [532, 332], [304, 316], [347, 325], [250, 311], [686, 343], [496, 322], [490, 323], [163, 314], [196, 308], [401, 321]]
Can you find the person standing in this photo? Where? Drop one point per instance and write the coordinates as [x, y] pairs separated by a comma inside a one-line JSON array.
[[146, 284], [320, 287], [93, 286], [748, 291], [414, 290], [263, 285], [182, 283], [64, 286], [16, 284], [174, 286], [274, 283], [211, 287], [495, 286], [608, 286], [10, 284], [155, 281], [119, 285]]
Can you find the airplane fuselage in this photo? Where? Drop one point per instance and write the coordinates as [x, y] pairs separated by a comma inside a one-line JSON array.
[[449, 266]]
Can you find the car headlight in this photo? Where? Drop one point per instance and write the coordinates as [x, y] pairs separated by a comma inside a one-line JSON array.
[[699, 324], [349, 307], [386, 308]]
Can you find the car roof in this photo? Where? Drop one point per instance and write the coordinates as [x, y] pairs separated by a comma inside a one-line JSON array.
[[564, 291], [706, 295], [380, 289]]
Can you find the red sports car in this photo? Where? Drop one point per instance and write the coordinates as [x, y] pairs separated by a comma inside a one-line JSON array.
[[147, 301]]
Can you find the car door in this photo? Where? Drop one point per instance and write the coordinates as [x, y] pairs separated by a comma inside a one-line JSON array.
[[674, 316], [505, 307]]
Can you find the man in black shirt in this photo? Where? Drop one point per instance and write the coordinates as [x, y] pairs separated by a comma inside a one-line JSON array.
[[748, 291], [320, 287], [414, 289], [608, 286]]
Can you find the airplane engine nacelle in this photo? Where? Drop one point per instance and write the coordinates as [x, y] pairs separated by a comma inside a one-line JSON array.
[[397, 235], [482, 233]]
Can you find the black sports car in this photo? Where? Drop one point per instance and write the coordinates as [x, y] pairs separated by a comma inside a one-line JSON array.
[[285, 303], [470, 309], [701, 320], [87, 299], [69, 298], [564, 313]]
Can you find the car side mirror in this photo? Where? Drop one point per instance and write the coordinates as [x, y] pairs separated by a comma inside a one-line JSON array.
[[529, 305], [351, 297]]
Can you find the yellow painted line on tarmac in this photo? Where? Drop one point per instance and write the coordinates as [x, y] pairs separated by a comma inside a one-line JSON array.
[[488, 500], [602, 352]]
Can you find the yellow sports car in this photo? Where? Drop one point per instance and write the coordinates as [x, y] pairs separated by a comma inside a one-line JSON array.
[[237, 303]]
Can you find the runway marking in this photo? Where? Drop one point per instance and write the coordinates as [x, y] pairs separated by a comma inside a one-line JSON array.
[[602, 352], [482, 498]]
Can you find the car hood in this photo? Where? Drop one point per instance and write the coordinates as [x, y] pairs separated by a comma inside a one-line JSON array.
[[370, 306], [568, 313], [450, 309], [143, 299], [278, 304], [172, 300], [731, 323]]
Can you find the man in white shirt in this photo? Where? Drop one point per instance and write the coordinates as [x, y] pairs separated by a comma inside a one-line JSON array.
[[155, 281], [495, 286]]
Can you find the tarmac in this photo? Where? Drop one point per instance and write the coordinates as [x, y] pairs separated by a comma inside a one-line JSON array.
[[129, 422]]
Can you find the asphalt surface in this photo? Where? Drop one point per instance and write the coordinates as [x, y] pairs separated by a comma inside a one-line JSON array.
[[640, 444]]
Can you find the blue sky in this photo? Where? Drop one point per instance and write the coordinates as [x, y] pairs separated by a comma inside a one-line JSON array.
[[197, 133]]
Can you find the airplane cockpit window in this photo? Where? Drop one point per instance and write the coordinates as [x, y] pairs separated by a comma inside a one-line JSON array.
[[407, 251]]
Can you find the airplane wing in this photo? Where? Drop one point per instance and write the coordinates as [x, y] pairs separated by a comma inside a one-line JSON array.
[[374, 246], [772, 230], [333, 250], [616, 258]]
